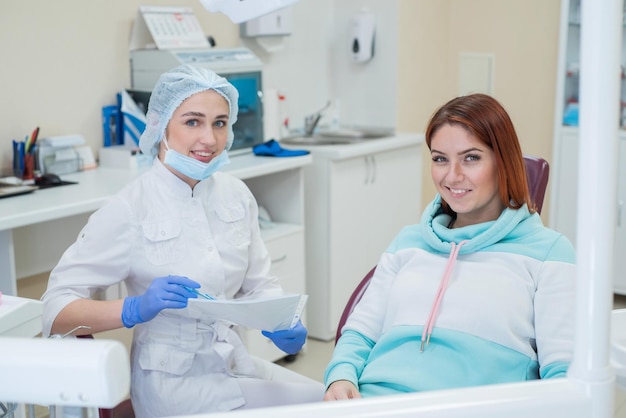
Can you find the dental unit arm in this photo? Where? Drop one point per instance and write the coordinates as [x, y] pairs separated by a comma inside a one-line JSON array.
[[68, 372], [239, 11]]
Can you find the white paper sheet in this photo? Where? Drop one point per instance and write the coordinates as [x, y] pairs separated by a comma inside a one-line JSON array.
[[270, 314]]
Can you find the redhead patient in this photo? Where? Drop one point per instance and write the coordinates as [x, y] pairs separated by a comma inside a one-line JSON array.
[[479, 292], [183, 226]]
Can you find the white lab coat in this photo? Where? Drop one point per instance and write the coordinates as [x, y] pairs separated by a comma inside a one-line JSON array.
[[154, 227]]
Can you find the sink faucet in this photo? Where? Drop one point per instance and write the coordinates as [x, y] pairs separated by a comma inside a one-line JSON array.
[[310, 121]]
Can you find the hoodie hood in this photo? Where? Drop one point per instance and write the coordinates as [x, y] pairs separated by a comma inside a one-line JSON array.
[[437, 235]]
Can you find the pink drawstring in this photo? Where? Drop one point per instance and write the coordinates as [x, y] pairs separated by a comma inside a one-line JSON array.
[[430, 323]]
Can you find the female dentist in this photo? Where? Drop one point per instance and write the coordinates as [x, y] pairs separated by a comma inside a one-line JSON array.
[[181, 226]]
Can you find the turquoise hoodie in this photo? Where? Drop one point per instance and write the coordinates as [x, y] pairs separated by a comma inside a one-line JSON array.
[[506, 313]]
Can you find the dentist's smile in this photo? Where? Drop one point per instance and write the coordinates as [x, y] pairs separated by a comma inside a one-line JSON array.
[[204, 156]]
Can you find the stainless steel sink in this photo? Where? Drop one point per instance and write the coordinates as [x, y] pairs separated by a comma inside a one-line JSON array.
[[357, 133], [340, 136]]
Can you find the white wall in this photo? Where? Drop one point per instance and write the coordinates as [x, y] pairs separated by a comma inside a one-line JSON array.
[[302, 67], [314, 64], [63, 60], [367, 91]]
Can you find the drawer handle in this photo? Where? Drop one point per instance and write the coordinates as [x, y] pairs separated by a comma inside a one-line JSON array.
[[373, 169], [279, 259]]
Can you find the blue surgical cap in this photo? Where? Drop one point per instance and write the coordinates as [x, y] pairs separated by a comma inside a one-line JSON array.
[[171, 90]]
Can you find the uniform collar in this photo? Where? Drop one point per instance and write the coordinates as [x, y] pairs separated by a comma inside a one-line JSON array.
[[172, 183]]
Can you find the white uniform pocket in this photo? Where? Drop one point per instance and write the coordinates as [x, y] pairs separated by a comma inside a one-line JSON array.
[[165, 358], [162, 242], [233, 224]]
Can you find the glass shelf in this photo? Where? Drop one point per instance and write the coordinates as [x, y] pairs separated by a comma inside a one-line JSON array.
[[571, 88]]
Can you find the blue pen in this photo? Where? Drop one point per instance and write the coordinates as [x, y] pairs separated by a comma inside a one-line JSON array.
[[197, 292], [16, 159], [20, 146]]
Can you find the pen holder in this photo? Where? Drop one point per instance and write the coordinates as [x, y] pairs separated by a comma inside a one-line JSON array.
[[29, 167], [24, 165], [24, 160]]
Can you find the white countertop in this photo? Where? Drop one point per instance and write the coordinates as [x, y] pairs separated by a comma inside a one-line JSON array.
[[369, 146], [96, 186]]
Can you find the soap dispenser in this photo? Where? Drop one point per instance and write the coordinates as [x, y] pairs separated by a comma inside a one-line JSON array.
[[362, 36]]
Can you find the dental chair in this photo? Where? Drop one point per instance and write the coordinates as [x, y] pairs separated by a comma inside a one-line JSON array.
[[122, 410], [537, 173]]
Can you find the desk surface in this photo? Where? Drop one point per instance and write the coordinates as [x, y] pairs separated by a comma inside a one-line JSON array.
[[96, 186], [20, 317]]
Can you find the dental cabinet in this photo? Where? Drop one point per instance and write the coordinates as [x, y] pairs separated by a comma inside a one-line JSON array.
[[565, 194], [357, 198], [564, 169], [35, 229]]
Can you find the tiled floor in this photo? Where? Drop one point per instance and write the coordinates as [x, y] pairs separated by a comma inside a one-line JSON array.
[[313, 361]]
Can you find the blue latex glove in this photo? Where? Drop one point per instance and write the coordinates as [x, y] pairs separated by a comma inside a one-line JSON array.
[[289, 340], [164, 293]]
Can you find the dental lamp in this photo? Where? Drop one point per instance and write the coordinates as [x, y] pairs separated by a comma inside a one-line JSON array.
[[73, 373], [239, 11]]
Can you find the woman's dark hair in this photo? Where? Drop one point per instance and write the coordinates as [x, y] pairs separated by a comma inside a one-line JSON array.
[[486, 119]]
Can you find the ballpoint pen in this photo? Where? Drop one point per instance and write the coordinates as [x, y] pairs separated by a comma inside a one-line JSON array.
[[21, 154], [16, 159], [27, 140], [33, 140], [197, 292]]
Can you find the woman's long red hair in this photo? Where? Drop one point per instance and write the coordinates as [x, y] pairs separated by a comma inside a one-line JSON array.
[[486, 119]]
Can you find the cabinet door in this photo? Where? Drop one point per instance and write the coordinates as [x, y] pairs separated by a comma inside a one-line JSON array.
[[349, 234], [372, 198], [397, 186]]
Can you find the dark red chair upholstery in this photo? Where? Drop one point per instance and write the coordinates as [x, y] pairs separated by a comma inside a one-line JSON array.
[[122, 410], [355, 297], [537, 173]]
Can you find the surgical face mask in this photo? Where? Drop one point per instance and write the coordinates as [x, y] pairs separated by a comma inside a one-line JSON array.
[[191, 167]]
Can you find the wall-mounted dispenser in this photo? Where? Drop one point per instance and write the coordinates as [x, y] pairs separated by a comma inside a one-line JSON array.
[[362, 36], [277, 23], [269, 30]]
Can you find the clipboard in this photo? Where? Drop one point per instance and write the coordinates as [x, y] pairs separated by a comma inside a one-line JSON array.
[[269, 314]]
